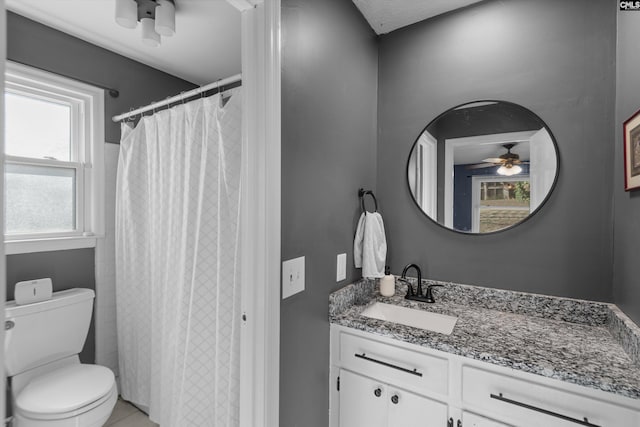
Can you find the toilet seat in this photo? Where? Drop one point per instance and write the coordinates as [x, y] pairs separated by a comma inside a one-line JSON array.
[[66, 392]]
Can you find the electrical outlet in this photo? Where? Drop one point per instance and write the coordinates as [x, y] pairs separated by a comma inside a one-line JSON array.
[[341, 267], [292, 277]]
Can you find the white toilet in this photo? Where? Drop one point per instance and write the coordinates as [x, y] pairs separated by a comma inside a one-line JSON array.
[[49, 385]]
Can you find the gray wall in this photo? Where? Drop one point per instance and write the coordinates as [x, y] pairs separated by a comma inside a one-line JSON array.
[[626, 280], [34, 44], [554, 58], [329, 97], [67, 269]]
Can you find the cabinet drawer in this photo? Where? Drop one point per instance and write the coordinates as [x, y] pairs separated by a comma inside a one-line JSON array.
[[397, 365], [473, 420], [529, 404]]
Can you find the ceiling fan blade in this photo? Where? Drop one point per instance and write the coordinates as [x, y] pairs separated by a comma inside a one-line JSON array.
[[493, 160], [481, 165]]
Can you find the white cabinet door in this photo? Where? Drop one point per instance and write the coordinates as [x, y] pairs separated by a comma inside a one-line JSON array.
[[368, 403], [363, 401], [410, 410], [473, 420]]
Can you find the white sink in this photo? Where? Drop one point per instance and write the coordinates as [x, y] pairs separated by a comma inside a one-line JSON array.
[[435, 322]]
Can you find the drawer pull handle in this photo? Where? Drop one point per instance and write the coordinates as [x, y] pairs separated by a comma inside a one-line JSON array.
[[378, 392], [390, 365], [544, 411], [395, 399]]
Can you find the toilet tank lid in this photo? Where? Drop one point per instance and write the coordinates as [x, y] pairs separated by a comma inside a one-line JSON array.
[[59, 299], [66, 389]]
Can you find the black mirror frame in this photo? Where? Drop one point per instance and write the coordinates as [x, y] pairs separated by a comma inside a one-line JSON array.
[[544, 201]]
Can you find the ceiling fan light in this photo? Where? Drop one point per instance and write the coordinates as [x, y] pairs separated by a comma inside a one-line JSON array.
[[166, 18], [149, 35], [127, 13], [509, 170]]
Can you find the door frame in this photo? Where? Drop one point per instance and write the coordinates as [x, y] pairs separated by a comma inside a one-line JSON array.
[[260, 214], [452, 144], [3, 271]]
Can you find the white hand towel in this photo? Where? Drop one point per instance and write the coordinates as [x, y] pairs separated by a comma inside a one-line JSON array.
[[370, 245]]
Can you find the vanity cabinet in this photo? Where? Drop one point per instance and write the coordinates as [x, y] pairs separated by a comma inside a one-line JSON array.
[[365, 402], [434, 388]]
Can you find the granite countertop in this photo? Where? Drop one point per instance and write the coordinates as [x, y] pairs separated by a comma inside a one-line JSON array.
[[586, 343]]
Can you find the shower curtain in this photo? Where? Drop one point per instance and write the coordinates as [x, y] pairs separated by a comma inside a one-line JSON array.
[[177, 266]]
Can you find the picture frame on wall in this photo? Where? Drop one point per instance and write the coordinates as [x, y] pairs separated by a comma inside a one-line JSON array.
[[631, 131]]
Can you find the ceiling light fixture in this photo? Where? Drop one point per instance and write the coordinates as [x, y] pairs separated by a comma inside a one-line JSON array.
[[157, 17], [509, 169]]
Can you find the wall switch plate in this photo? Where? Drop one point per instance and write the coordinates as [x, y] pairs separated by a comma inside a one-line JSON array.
[[341, 267], [292, 277]]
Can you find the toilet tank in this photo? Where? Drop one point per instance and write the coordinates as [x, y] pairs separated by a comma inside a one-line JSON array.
[[46, 331]]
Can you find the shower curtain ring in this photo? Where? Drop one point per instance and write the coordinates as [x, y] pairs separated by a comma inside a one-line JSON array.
[[131, 117]]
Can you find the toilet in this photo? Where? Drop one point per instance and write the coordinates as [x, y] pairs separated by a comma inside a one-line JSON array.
[[49, 385]]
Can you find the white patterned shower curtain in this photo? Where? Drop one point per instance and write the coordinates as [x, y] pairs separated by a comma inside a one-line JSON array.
[[177, 266]]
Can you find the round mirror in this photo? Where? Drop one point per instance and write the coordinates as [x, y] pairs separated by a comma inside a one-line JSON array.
[[483, 167]]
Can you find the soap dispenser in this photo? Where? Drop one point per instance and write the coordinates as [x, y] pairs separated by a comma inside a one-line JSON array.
[[387, 283]]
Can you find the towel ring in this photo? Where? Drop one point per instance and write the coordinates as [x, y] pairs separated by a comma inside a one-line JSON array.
[[361, 194]]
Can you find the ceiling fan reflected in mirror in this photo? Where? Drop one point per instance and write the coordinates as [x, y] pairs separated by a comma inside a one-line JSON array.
[[509, 162]]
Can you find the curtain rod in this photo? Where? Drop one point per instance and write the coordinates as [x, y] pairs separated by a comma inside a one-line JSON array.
[[180, 97]]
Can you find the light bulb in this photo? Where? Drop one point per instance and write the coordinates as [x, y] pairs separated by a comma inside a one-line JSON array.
[[508, 171], [149, 35], [165, 18], [127, 13]]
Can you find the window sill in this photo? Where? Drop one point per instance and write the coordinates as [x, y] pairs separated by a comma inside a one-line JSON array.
[[13, 247]]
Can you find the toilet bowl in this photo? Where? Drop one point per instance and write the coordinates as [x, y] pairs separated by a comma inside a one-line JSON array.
[[76, 395], [49, 385]]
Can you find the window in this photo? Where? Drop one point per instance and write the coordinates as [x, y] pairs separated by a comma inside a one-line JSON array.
[[54, 172], [499, 202]]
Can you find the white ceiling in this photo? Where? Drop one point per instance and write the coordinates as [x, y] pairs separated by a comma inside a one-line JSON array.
[[205, 48], [473, 154], [385, 16]]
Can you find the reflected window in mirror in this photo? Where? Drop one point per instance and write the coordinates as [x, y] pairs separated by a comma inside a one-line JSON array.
[[483, 167]]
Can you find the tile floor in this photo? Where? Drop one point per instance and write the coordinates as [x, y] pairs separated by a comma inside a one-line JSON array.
[[127, 415]]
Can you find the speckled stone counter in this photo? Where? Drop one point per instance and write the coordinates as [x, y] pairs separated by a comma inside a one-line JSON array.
[[586, 343]]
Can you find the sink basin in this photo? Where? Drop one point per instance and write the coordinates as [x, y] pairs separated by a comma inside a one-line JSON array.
[[435, 322]]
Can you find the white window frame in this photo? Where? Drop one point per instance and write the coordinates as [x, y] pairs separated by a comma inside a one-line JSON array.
[[475, 194], [87, 157]]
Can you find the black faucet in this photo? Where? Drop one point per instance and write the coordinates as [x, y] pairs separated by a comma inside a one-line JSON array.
[[418, 295], [409, 286]]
